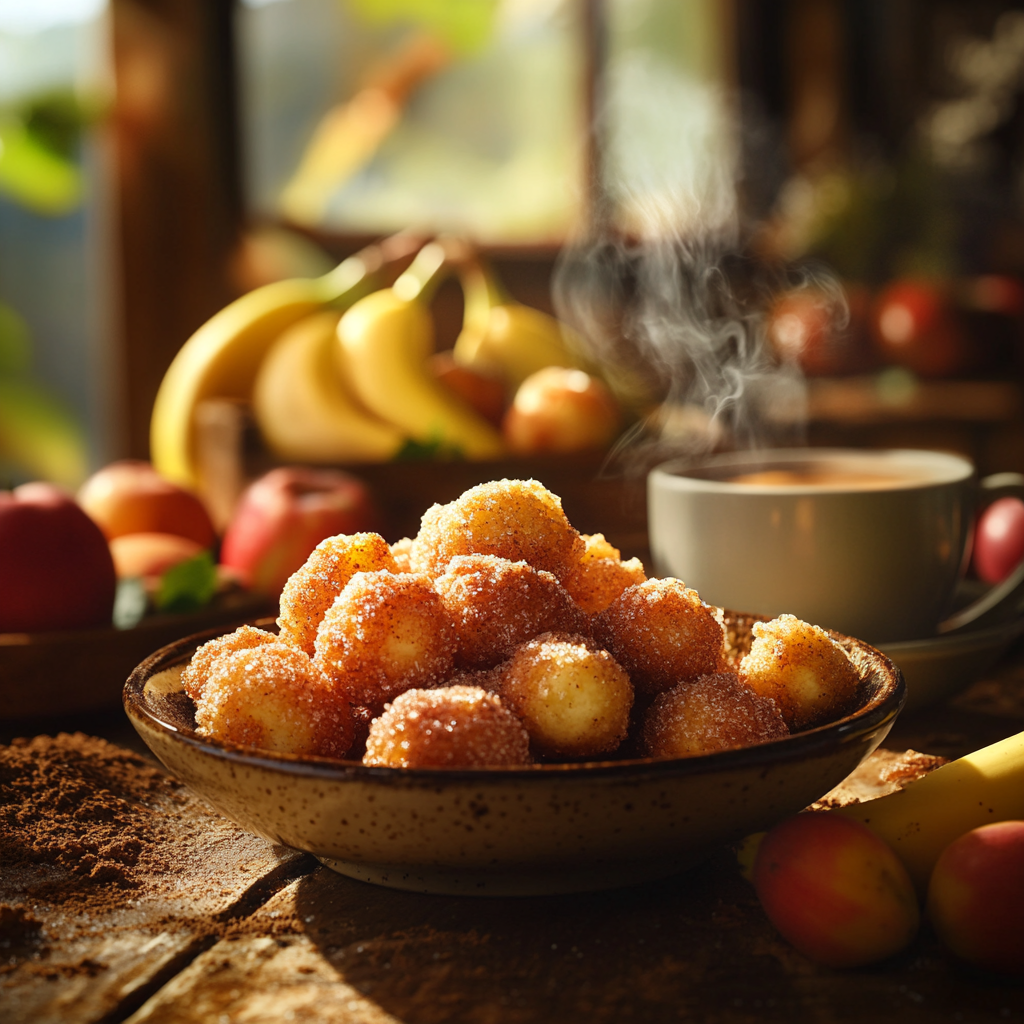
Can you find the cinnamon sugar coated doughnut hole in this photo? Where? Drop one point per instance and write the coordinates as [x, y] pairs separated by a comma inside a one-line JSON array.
[[496, 604], [572, 696], [450, 727], [311, 589], [802, 669], [600, 575], [272, 697], [385, 632], [401, 551], [520, 520], [713, 712], [197, 671], [662, 633]]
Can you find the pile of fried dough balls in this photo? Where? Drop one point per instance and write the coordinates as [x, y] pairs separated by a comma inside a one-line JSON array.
[[499, 635]]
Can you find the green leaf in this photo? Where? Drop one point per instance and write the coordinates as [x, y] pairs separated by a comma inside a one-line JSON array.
[[465, 25], [39, 434], [187, 585], [130, 603], [35, 176], [434, 450]]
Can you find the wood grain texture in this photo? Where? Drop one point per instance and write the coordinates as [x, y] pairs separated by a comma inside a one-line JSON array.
[[88, 945]]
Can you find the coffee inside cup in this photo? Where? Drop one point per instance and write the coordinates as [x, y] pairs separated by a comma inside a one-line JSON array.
[[821, 476]]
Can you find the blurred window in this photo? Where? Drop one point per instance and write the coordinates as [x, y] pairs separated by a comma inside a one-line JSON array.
[[55, 360], [368, 116]]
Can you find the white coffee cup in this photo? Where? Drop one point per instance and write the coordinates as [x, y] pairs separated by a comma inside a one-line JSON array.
[[869, 543]]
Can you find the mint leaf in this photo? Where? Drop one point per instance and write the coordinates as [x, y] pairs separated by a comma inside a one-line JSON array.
[[187, 585]]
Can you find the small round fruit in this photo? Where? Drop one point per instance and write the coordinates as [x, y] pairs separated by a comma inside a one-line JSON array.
[[132, 497], [835, 890], [999, 540], [561, 410], [56, 571], [916, 326], [150, 554], [976, 897]]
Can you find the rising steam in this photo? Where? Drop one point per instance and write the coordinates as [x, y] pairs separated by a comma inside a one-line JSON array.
[[667, 304]]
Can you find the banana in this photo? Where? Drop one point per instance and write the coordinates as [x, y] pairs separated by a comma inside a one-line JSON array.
[[387, 338], [222, 357], [920, 821], [302, 406], [504, 338]]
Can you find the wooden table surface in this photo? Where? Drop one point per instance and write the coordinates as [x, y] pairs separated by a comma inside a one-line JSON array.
[[232, 929]]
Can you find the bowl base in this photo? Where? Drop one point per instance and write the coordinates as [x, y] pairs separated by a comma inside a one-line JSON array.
[[542, 880]]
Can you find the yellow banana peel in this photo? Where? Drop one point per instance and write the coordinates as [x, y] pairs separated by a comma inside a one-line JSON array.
[[504, 338], [301, 404], [386, 339], [222, 357], [920, 821]]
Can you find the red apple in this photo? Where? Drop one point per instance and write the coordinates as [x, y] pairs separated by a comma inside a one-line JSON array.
[[55, 565], [916, 326], [132, 497], [150, 554], [284, 515], [561, 410], [835, 890], [999, 539], [976, 896]]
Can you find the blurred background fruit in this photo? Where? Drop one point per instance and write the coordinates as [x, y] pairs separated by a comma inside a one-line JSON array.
[[283, 515], [56, 568]]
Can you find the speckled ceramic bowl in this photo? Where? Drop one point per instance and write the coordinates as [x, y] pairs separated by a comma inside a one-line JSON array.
[[505, 831]]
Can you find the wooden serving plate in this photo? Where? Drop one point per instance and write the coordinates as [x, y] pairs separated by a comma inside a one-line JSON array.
[[81, 670]]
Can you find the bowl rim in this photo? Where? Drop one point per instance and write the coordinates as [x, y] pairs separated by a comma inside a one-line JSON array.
[[877, 713]]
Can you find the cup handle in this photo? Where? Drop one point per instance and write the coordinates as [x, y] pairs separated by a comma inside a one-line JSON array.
[[998, 485]]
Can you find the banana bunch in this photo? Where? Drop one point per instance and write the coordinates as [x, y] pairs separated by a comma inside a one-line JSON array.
[[386, 340], [305, 409], [339, 372], [920, 821], [223, 357], [502, 338]]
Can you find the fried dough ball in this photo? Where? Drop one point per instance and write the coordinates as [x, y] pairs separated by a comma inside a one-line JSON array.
[[520, 520], [802, 669], [496, 604], [661, 633], [600, 575], [272, 697], [573, 697], [197, 671], [311, 590], [714, 712], [386, 632], [451, 727], [401, 551]]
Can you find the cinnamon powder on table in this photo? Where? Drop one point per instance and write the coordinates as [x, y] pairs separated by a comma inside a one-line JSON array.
[[77, 802]]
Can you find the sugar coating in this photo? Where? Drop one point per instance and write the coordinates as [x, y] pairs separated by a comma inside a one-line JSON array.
[[401, 551], [311, 589], [273, 698], [520, 520], [573, 697], [197, 671], [496, 605], [661, 633], [802, 669], [713, 712], [600, 575], [385, 632], [451, 727]]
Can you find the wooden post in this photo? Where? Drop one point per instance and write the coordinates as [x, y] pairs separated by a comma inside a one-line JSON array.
[[179, 194]]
